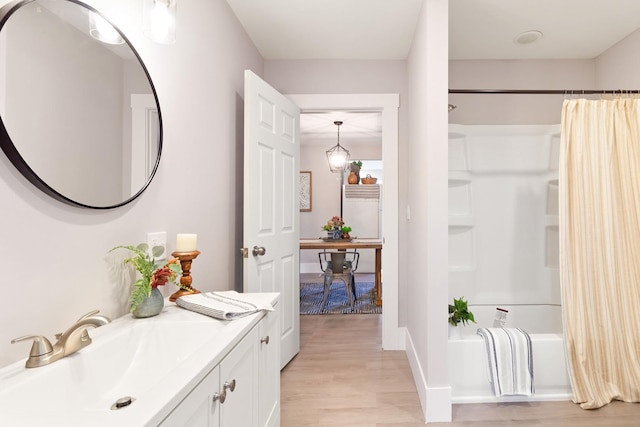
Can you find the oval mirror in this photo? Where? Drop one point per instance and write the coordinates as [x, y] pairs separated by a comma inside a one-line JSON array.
[[79, 115]]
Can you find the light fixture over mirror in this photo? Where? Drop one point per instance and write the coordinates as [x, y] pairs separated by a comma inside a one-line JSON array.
[[79, 118], [338, 156], [160, 20], [101, 29]]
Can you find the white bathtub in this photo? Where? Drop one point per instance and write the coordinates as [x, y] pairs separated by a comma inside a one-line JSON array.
[[468, 365]]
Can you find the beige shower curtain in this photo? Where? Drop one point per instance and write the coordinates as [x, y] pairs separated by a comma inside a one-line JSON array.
[[599, 192]]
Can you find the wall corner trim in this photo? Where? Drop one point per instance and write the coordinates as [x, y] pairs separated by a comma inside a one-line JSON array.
[[435, 401]]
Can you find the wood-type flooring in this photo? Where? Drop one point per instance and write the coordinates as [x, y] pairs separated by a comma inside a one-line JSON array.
[[341, 377]]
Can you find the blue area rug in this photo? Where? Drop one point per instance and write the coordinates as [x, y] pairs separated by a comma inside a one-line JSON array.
[[338, 302]]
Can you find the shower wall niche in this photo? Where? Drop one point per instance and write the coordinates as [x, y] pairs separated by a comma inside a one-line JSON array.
[[503, 220]]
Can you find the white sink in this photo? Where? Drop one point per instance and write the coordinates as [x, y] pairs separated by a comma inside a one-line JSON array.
[[141, 358]]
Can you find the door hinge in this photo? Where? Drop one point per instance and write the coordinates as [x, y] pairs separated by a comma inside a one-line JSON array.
[[244, 252]]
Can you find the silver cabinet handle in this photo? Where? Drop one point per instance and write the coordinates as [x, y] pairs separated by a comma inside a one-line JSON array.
[[265, 340], [220, 396], [258, 251], [231, 386]]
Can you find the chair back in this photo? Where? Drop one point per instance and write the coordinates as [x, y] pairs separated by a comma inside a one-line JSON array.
[[337, 262], [351, 260]]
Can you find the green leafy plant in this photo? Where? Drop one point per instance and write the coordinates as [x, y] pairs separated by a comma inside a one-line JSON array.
[[346, 229], [152, 275], [459, 312], [356, 164]]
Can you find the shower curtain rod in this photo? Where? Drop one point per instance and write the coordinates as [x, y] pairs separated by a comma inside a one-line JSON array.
[[544, 92]]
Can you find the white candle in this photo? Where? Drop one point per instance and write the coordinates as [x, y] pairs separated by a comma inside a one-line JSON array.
[[186, 242]]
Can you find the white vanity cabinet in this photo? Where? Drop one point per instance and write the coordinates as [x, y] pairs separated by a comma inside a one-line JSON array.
[[173, 369], [269, 385], [196, 410], [243, 389]]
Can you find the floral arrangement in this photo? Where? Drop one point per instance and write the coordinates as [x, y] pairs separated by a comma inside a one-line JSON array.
[[335, 223], [152, 275], [337, 228]]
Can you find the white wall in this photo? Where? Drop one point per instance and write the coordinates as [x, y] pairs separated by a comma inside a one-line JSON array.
[[515, 74], [426, 236], [617, 68], [56, 267]]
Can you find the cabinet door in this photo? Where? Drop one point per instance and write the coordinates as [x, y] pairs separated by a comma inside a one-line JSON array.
[[198, 408], [269, 400], [240, 408]]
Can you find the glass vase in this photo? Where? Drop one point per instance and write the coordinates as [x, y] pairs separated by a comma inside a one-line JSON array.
[[150, 306]]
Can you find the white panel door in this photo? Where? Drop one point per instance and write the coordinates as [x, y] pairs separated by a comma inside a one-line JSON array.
[[271, 211]]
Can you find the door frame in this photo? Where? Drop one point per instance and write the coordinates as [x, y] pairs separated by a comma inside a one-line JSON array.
[[393, 337]]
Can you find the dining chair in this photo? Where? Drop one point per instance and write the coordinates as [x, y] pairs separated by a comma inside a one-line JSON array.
[[336, 266]]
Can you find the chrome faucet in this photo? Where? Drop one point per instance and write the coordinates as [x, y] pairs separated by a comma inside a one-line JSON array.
[[73, 339]]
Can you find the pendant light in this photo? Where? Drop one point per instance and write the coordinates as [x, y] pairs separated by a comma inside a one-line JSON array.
[[337, 156]]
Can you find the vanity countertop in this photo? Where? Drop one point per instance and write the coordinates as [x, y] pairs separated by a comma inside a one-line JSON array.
[[157, 361]]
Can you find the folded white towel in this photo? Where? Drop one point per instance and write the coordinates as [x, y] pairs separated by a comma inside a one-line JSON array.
[[225, 305], [510, 358]]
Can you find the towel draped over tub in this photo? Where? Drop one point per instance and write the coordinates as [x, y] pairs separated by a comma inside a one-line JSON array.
[[510, 358]]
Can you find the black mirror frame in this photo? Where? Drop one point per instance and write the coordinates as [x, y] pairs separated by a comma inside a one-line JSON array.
[[16, 159]]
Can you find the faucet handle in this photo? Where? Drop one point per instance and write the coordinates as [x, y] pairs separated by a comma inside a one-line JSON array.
[[40, 347]]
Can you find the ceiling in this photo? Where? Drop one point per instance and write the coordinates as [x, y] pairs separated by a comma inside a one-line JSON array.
[[573, 29], [383, 30], [358, 127], [329, 29], [478, 29]]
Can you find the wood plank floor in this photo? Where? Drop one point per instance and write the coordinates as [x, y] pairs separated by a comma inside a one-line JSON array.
[[343, 378]]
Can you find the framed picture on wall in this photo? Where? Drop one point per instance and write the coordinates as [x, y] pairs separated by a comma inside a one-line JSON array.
[[305, 191]]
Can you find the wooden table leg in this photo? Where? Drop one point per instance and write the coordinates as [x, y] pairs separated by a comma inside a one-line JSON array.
[[378, 287]]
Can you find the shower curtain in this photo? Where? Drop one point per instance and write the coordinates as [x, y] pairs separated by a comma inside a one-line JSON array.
[[599, 196]]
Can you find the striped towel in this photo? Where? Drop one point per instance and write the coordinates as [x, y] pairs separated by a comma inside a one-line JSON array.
[[226, 305], [510, 360]]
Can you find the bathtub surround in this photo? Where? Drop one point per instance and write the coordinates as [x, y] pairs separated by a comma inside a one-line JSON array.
[[503, 238], [600, 248], [503, 223]]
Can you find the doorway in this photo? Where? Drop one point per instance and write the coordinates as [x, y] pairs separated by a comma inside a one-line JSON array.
[[387, 105]]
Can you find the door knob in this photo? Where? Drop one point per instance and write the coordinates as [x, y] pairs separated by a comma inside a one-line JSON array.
[[258, 251]]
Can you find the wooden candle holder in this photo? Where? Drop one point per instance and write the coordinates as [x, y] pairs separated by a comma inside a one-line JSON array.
[[185, 281]]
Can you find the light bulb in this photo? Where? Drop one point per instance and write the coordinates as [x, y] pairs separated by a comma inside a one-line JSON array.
[[338, 160], [102, 30], [161, 20]]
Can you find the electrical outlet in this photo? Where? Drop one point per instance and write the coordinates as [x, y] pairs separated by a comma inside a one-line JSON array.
[[158, 239]]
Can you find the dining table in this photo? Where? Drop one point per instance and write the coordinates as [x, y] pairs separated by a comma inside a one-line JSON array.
[[344, 244]]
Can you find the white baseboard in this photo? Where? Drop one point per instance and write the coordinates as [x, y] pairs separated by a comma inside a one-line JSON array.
[[435, 401]]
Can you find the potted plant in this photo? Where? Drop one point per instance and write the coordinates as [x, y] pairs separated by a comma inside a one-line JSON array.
[[355, 167], [345, 232], [145, 299], [459, 312]]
